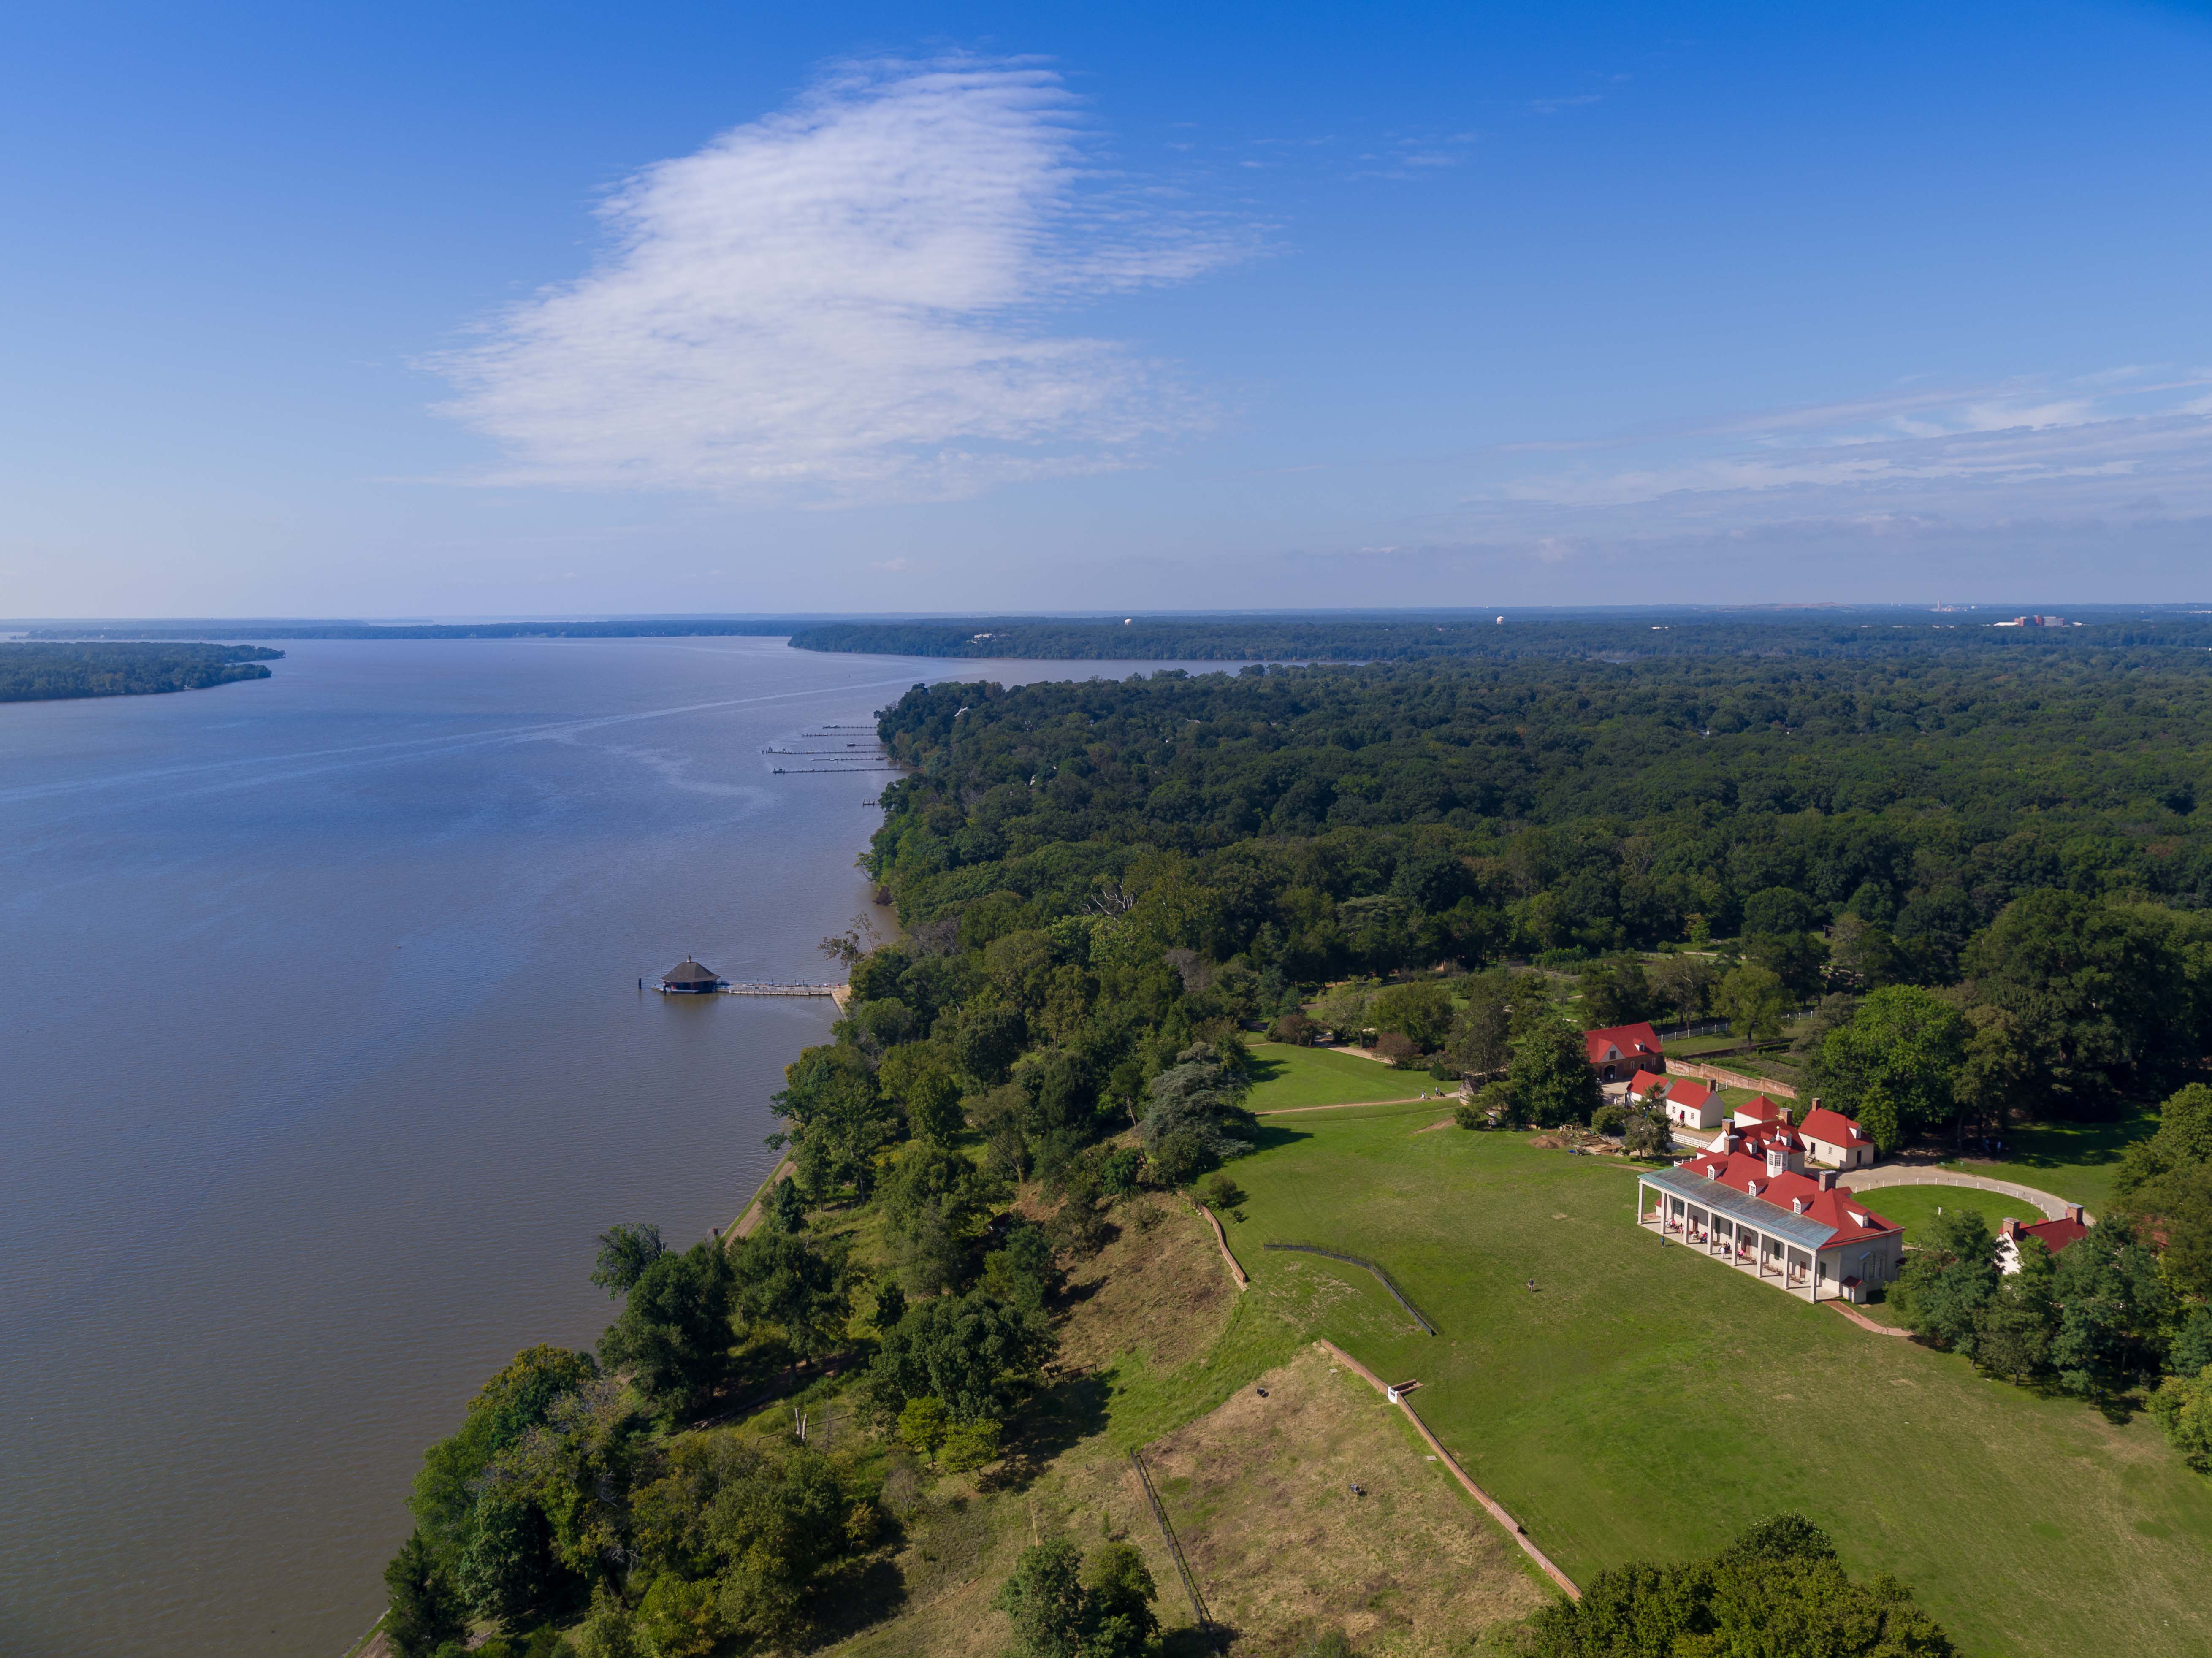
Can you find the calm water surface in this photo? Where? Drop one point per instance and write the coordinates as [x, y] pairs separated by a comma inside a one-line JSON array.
[[322, 1062]]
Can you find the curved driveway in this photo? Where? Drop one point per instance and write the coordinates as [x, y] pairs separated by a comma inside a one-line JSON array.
[[1867, 1180]]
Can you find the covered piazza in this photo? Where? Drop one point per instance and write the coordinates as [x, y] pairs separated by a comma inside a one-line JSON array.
[[1788, 1244]]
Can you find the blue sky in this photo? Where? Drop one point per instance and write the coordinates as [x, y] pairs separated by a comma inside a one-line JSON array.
[[416, 310]]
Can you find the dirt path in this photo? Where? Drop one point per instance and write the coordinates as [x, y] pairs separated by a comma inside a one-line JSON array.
[[742, 1227]]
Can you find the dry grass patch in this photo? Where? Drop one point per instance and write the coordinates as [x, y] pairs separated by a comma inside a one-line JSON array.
[[1258, 1492], [1159, 1290]]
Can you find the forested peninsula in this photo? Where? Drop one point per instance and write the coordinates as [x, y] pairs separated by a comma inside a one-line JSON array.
[[678, 628], [41, 672], [1971, 885]]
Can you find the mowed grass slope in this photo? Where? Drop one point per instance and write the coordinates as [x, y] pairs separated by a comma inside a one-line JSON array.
[[1646, 1402], [2076, 1161], [1285, 1078], [1913, 1207]]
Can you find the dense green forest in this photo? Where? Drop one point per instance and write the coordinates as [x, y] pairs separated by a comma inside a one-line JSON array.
[[41, 672], [1986, 872], [1622, 633]]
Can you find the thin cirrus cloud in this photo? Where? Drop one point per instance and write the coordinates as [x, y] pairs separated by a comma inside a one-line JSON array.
[[2121, 447], [851, 301]]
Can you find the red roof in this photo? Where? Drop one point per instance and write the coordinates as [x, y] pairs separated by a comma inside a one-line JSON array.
[[1774, 1131], [2056, 1233], [1838, 1206], [1682, 1091], [1759, 1109], [1833, 1128], [1646, 1082], [1625, 1041]]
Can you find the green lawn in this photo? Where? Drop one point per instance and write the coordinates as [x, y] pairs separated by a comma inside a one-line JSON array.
[[1289, 1076], [2075, 1161], [1649, 1402], [1914, 1206]]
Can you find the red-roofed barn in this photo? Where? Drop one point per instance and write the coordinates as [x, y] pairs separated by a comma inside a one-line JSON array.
[[1615, 1053]]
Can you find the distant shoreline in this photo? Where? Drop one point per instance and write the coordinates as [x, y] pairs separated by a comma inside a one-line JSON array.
[[41, 671]]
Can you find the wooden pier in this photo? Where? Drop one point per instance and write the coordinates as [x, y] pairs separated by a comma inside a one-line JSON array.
[[841, 994]]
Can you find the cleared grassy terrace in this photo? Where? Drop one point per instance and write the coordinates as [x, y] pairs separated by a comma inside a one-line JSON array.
[[1645, 1401]]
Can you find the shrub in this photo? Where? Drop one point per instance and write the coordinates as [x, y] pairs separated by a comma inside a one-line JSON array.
[[970, 1445], [1469, 1115], [921, 1425], [1294, 1029], [1221, 1192], [1397, 1051], [1122, 1172], [2183, 1406], [1778, 1588], [1179, 1159], [1609, 1118]]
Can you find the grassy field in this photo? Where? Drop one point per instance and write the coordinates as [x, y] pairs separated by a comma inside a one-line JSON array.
[[2075, 1161], [1649, 1402], [1409, 1566], [1157, 1349], [1914, 1206], [1286, 1078]]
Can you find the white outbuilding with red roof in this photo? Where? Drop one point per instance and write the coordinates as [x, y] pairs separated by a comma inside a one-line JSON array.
[[1693, 1105], [1833, 1138]]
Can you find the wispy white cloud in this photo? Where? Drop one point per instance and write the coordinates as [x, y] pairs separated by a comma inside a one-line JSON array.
[[852, 299], [2100, 447], [2080, 445]]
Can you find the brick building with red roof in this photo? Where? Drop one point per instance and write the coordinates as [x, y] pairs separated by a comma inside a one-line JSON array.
[[1615, 1053], [1802, 1232]]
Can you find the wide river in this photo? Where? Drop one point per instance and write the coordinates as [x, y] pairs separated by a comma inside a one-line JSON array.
[[325, 1062]]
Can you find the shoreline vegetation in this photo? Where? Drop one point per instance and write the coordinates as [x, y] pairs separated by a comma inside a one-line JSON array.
[[1969, 893], [44, 672]]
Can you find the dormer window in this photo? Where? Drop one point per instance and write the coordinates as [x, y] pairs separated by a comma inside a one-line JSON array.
[[1797, 1206]]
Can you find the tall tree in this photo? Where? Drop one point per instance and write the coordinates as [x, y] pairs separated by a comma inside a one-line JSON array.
[[1754, 1002], [1895, 1066], [2093, 985], [1551, 1078], [801, 1289], [674, 1332], [624, 1252], [1949, 1277], [1420, 1011], [425, 1610], [973, 1351], [1481, 1036], [838, 1121], [2115, 1308]]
